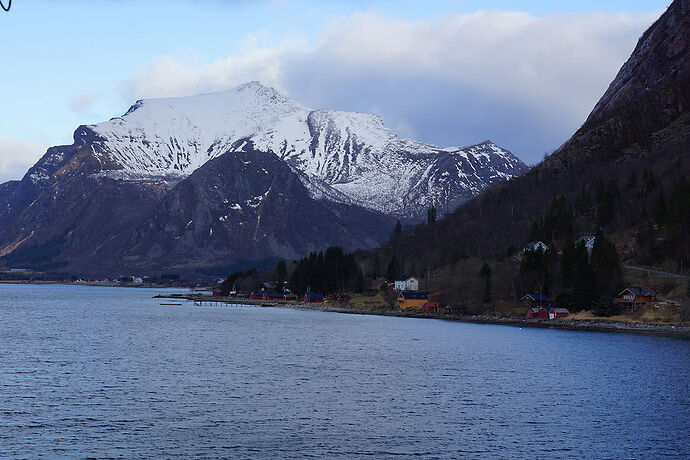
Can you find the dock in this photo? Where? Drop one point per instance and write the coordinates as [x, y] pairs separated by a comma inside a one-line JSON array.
[[207, 299]]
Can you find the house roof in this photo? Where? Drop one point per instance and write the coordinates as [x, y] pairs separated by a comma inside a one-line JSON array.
[[405, 278], [414, 295], [536, 309], [537, 298], [532, 245], [640, 291], [560, 310]]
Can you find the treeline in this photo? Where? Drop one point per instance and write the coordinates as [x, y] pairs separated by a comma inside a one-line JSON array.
[[240, 280], [575, 278], [330, 271]]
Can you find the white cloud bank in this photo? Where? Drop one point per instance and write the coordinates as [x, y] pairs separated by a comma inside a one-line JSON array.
[[523, 81], [17, 156]]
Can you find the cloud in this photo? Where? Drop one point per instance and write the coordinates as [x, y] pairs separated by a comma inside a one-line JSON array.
[[16, 156], [524, 81], [83, 103]]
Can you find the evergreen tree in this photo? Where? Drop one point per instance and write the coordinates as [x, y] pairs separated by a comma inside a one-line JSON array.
[[281, 272], [660, 208], [431, 215], [376, 269], [393, 269], [606, 266], [359, 281], [631, 183], [485, 274], [584, 280]]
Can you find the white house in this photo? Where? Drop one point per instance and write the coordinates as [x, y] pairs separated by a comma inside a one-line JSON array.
[[409, 283], [588, 241], [535, 245]]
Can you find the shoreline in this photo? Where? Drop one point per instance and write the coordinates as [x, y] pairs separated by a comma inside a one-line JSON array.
[[681, 331], [678, 331]]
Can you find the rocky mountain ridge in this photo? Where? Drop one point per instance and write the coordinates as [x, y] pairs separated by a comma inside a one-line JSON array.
[[345, 157]]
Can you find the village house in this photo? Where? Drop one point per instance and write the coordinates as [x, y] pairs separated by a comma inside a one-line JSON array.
[[408, 283], [536, 312], [534, 246], [410, 299], [268, 287], [431, 307], [536, 300], [556, 313], [549, 312], [634, 297]]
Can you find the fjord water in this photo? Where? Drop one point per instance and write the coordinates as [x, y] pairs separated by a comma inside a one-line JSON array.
[[108, 372]]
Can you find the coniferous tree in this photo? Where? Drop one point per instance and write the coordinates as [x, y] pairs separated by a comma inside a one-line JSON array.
[[376, 269], [485, 274], [393, 269], [281, 272], [359, 281], [660, 208], [606, 267], [431, 215], [398, 228]]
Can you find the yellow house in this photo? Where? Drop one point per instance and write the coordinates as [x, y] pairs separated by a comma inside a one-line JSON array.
[[408, 299]]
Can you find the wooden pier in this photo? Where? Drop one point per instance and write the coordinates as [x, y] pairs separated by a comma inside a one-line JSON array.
[[206, 299]]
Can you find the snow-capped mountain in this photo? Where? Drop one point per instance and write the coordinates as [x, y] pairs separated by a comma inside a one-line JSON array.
[[344, 157], [231, 179]]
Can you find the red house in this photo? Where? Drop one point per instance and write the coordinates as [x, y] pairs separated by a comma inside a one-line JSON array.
[[536, 312], [259, 296], [633, 297], [556, 313], [431, 307]]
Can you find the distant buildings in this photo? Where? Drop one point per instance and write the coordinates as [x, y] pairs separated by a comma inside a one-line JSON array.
[[534, 246], [634, 297], [541, 306], [411, 299], [409, 283]]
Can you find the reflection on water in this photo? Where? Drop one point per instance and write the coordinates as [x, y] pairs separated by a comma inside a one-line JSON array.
[[105, 372]]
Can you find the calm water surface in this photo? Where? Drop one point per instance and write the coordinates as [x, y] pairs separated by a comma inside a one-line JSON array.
[[109, 372]]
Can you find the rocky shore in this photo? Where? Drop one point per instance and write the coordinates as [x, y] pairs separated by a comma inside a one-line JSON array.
[[681, 331]]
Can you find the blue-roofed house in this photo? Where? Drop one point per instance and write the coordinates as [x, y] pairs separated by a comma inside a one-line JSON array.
[[412, 299]]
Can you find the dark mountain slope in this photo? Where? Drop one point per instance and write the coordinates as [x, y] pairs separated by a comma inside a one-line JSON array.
[[615, 173], [240, 208], [245, 204], [650, 92]]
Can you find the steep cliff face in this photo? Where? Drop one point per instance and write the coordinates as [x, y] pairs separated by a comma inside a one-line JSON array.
[[650, 92], [625, 172]]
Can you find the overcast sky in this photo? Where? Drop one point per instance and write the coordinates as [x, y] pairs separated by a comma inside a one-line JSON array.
[[524, 74]]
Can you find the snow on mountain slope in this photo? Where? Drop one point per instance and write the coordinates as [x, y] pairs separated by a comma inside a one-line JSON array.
[[340, 156]]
